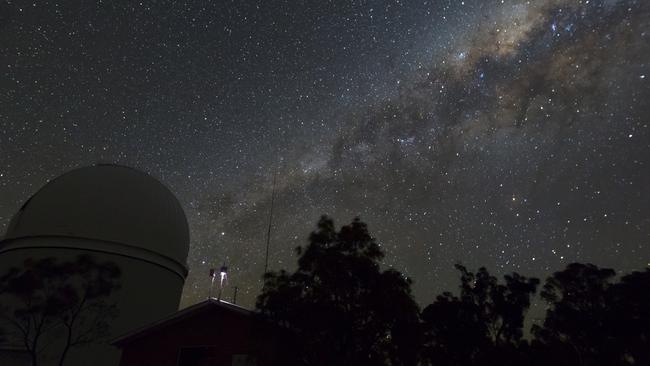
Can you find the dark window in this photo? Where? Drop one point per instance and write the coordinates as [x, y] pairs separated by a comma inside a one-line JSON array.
[[198, 356]]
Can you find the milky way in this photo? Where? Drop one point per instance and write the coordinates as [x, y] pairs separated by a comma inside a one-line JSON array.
[[508, 134]]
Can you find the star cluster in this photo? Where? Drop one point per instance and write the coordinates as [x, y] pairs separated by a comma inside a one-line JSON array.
[[511, 134]]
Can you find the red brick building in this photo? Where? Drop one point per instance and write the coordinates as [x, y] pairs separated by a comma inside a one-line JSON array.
[[213, 332]]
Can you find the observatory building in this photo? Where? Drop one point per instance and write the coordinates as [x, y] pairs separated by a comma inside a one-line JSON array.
[[115, 214]]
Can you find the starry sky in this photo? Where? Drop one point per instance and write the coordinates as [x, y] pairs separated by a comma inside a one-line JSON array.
[[506, 133]]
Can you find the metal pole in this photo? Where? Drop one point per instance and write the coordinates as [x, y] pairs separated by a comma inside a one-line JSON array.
[[212, 275], [223, 274], [268, 232]]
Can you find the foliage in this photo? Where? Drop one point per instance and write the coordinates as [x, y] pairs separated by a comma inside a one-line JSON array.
[[631, 306], [57, 305], [341, 307], [590, 320], [593, 321], [483, 324]]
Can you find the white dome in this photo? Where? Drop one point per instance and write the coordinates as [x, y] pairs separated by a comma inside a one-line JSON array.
[[109, 203]]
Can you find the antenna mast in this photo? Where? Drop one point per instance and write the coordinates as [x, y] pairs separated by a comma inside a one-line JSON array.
[[268, 232]]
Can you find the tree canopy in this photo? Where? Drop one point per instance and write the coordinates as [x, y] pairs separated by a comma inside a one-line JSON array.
[[49, 307], [341, 306], [592, 320], [483, 324]]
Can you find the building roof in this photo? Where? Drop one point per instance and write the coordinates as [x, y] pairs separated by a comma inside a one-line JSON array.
[[179, 316], [110, 203]]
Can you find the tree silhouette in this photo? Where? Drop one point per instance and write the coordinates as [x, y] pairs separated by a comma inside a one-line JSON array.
[[453, 334], [577, 328], [630, 306], [47, 304], [593, 321], [340, 306], [483, 325]]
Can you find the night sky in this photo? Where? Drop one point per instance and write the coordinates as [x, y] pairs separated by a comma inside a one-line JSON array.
[[510, 134]]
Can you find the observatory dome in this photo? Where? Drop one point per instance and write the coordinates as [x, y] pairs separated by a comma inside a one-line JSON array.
[[110, 203]]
